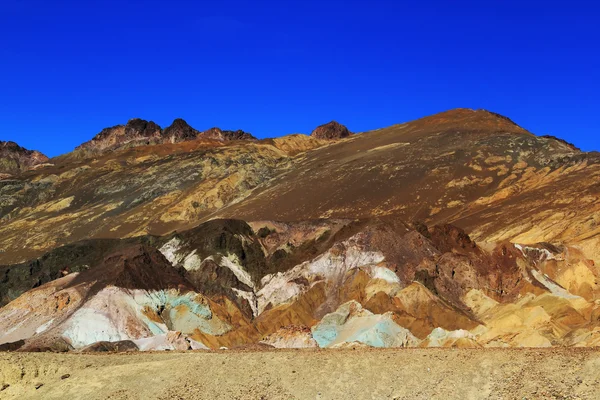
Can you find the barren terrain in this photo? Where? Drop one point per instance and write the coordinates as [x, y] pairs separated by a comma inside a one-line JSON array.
[[410, 262], [306, 374]]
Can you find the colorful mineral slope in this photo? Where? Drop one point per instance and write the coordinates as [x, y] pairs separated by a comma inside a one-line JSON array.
[[457, 230]]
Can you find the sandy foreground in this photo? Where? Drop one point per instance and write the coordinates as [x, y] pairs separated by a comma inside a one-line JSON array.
[[306, 374]]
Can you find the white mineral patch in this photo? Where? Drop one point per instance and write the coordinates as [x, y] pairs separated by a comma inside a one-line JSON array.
[[111, 315], [44, 327], [233, 264], [279, 288], [168, 341], [170, 249], [552, 287], [385, 274], [192, 261], [285, 340], [117, 314], [439, 336], [88, 326], [544, 254], [331, 266]]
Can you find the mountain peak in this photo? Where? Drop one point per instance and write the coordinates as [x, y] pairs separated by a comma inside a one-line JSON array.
[[180, 131], [470, 119], [142, 127], [178, 123], [15, 159], [331, 130]]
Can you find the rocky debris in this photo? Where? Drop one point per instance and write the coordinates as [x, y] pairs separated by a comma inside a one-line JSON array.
[[112, 347], [169, 341], [45, 344], [65, 376], [291, 337], [15, 159], [330, 131], [253, 347], [11, 346], [442, 338]]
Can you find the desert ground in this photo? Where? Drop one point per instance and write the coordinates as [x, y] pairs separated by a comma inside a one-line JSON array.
[[306, 374]]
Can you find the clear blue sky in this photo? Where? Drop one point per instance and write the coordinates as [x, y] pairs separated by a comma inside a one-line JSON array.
[[70, 68]]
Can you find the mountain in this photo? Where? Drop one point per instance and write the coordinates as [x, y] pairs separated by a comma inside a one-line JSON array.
[[461, 229], [139, 132], [15, 159]]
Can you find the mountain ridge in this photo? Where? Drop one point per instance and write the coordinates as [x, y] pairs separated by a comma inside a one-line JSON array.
[[139, 132], [457, 229]]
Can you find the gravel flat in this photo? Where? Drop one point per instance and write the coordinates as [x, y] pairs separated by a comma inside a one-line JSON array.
[[306, 374]]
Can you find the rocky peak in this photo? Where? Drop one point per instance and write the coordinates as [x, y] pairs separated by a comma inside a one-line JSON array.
[[180, 131], [331, 130], [14, 158], [143, 128], [219, 134], [139, 132], [136, 131]]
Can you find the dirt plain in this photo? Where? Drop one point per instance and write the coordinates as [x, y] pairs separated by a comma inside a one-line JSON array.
[[306, 374]]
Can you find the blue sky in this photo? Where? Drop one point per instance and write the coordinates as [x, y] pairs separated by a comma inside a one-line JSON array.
[[70, 68]]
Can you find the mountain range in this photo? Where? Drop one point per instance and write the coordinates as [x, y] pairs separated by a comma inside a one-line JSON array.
[[460, 229]]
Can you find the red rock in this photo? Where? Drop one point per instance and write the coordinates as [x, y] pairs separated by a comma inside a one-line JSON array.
[[331, 130]]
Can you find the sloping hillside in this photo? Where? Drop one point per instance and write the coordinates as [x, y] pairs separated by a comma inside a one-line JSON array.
[[460, 229]]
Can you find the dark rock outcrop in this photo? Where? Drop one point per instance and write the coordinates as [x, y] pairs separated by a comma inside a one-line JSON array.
[[136, 132], [111, 347], [331, 130], [180, 131], [12, 346], [134, 267], [15, 159], [76, 257], [139, 132], [224, 135]]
